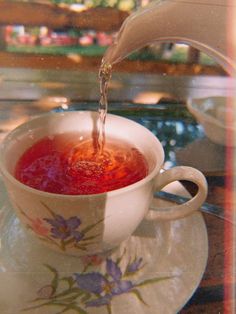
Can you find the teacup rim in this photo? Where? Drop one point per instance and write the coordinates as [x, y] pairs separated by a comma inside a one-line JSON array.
[[132, 186]]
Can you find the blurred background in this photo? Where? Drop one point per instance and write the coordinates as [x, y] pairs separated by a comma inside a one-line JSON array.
[[73, 34]]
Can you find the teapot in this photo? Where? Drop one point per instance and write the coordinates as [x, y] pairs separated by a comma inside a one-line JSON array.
[[202, 24]]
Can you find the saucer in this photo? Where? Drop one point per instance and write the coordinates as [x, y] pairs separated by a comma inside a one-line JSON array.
[[156, 270]]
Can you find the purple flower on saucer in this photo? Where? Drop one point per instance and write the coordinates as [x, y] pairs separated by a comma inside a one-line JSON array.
[[85, 290], [105, 287]]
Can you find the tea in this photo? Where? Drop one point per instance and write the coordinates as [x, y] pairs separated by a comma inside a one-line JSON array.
[[104, 78], [71, 164]]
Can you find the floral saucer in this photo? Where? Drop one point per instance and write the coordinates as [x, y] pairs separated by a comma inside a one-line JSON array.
[[156, 270]]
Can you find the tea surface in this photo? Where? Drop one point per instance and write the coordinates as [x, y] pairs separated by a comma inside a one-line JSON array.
[[72, 164]]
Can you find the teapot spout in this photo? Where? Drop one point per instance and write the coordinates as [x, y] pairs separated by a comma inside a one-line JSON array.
[[201, 24]]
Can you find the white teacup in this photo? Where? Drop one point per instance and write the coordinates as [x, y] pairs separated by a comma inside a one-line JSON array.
[[89, 224]]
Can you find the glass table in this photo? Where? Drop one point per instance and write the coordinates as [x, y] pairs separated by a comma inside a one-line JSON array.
[[185, 143]]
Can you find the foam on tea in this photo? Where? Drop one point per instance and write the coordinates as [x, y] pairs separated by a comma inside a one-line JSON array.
[[70, 164]]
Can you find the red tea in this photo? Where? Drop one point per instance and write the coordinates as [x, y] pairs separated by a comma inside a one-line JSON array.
[[71, 164]]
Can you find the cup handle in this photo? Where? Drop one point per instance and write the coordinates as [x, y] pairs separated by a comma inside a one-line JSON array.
[[182, 210]]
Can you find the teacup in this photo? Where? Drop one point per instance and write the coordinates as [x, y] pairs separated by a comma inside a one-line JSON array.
[[90, 224]]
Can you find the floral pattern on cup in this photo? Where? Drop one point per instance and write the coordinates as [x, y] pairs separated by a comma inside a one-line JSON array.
[[93, 289], [62, 232]]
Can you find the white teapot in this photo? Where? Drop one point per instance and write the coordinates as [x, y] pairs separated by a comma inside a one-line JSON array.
[[203, 24]]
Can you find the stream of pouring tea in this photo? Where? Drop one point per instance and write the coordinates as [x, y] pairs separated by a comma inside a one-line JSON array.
[[137, 27], [121, 46], [104, 78]]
